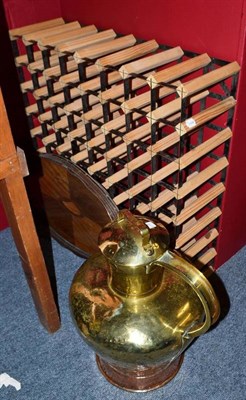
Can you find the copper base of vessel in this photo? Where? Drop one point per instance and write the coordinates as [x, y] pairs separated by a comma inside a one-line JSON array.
[[139, 379]]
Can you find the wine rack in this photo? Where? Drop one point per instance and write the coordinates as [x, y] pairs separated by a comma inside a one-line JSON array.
[[151, 123]]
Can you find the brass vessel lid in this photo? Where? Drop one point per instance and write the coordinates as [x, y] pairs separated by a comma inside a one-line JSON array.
[[133, 240]]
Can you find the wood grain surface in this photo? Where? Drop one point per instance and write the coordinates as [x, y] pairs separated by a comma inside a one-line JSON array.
[[77, 207]]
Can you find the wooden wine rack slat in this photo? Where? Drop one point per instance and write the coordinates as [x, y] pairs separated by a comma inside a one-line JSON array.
[[18, 33], [152, 124], [35, 36], [153, 61], [96, 38], [53, 41]]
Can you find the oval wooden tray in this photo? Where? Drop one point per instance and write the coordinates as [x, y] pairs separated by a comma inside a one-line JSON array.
[[76, 206]]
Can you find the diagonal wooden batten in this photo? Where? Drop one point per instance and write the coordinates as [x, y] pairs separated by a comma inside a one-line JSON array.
[[50, 42], [139, 161], [199, 203], [81, 156], [55, 72], [207, 80], [125, 55], [36, 131], [98, 166], [114, 178], [67, 146], [102, 49], [43, 91], [102, 163], [22, 60], [164, 172], [150, 62], [144, 130], [172, 107], [200, 244], [206, 115], [164, 218], [205, 148], [202, 177], [95, 84], [146, 183], [145, 99], [164, 197], [34, 37], [202, 223], [51, 138], [137, 133], [27, 86], [77, 133], [39, 65], [207, 257], [116, 151], [118, 90], [164, 143], [96, 141], [42, 150], [47, 116], [120, 122], [97, 112], [59, 98], [141, 132], [63, 122], [100, 139], [19, 32], [84, 154], [33, 108], [146, 157], [177, 71], [76, 106], [73, 78], [113, 152], [190, 243], [77, 44], [54, 40], [80, 132]]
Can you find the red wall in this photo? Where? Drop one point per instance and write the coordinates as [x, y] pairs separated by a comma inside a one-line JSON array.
[[213, 26], [201, 25], [25, 12]]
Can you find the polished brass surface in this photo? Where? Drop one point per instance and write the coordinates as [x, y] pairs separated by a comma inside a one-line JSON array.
[[132, 241], [138, 304]]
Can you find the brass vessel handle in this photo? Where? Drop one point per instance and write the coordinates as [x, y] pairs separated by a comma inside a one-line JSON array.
[[200, 285]]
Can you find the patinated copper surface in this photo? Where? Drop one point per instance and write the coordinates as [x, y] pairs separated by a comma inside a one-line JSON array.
[[139, 378]]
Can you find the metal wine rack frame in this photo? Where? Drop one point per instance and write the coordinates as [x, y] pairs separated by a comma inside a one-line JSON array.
[[151, 123]]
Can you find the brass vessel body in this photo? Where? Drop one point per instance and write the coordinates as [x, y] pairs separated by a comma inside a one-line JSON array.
[[138, 305]]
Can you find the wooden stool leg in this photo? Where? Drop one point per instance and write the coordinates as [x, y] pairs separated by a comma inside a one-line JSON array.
[[18, 211], [17, 208]]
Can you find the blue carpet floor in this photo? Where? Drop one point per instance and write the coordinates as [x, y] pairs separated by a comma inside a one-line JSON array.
[[61, 366]]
